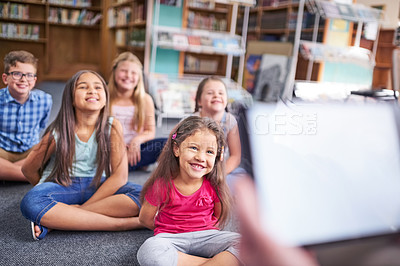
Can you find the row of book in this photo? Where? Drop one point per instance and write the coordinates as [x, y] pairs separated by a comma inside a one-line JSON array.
[[78, 3], [19, 31], [192, 42], [14, 11], [194, 64], [122, 16], [119, 17], [308, 20], [274, 20], [135, 37], [206, 22], [73, 17], [275, 3]]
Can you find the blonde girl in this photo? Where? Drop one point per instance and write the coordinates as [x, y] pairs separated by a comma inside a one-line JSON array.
[[186, 200], [134, 108], [80, 167]]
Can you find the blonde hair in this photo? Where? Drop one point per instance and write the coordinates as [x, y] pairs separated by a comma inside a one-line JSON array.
[[139, 93]]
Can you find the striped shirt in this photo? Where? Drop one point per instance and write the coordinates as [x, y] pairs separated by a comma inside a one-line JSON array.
[[21, 124]]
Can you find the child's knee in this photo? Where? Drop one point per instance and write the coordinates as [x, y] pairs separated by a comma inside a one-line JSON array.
[[157, 252], [35, 204]]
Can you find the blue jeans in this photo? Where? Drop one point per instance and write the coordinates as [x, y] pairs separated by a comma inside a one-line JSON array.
[[40, 199], [149, 152]]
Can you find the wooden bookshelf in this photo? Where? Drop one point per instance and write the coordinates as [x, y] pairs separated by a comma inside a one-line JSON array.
[[125, 30], [64, 45], [276, 21], [382, 77], [23, 16], [208, 16]]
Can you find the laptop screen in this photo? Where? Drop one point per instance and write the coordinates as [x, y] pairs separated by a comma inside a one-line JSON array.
[[326, 173]]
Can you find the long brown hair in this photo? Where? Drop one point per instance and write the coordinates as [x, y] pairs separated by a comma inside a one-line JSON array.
[[64, 128], [139, 93], [168, 164], [200, 89]]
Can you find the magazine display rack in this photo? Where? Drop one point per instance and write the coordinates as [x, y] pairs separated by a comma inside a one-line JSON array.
[[199, 41], [174, 96], [318, 52]]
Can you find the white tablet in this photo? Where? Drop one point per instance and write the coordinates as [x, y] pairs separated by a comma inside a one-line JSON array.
[[326, 173]]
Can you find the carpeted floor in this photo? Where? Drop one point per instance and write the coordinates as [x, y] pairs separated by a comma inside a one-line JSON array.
[[59, 247]]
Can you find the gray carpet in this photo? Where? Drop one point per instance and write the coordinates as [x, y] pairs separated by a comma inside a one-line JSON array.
[[60, 247]]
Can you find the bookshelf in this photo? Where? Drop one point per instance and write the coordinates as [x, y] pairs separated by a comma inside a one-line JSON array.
[[206, 46], [63, 34], [211, 17], [23, 25], [126, 29], [383, 69], [74, 37], [276, 20], [348, 67]]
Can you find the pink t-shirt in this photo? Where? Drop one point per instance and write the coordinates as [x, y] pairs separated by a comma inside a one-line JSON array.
[[184, 213]]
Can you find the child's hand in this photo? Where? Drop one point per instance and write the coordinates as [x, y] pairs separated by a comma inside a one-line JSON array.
[[133, 153]]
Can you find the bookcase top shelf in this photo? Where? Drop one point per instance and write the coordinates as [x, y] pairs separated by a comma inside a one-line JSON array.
[[350, 12], [29, 2], [28, 20], [123, 3], [198, 41], [91, 8]]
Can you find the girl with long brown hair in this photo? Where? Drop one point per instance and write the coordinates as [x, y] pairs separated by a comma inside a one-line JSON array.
[[186, 200], [80, 166]]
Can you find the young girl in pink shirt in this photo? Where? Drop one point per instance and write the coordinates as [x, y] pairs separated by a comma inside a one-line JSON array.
[[186, 200]]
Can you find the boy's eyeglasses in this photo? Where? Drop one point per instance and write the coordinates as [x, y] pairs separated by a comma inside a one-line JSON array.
[[16, 75]]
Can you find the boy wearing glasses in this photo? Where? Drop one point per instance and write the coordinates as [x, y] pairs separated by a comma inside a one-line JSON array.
[[24, 113]]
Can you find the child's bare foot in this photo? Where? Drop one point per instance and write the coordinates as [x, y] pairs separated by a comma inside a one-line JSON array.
[[38, 232]]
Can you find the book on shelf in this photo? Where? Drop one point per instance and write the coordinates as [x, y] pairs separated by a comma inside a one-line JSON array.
[[96, 19], [180, 40], [14, 11], [137, 37], [74, 16], [77, 3], [346, 11], [208, 66], [138, 13], [194, 40], [19, 31], [330, 9], [120, 37], [206, 22], [206, 41], [165, 37]]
